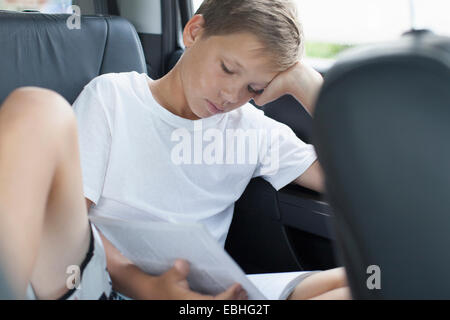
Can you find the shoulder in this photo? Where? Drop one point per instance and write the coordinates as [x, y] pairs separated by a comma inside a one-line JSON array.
[[245, 113], [113, 81], [249, 116], [111, 90], [248, 109], [105, 93]]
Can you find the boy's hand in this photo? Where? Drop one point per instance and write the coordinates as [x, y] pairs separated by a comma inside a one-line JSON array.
[[301, 81], [172, 285]]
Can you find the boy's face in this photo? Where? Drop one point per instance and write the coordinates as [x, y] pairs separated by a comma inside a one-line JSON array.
[[222, 73]]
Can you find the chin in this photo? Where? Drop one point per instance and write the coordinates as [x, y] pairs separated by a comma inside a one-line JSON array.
[[201, 114]]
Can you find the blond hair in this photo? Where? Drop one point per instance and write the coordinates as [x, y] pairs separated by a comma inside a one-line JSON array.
[[274, 22]]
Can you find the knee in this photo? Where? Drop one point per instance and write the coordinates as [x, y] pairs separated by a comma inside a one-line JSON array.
[[36, 107], [38, 99]]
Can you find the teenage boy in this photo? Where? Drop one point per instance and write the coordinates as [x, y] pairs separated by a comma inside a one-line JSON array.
[[136, 168]]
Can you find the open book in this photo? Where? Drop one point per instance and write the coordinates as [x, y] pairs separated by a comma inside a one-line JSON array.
[[154, 246]]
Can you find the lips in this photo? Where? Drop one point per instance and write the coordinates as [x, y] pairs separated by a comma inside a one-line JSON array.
[[213, 108]]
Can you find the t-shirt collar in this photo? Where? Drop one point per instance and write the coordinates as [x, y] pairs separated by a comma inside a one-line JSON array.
[[174, 119]]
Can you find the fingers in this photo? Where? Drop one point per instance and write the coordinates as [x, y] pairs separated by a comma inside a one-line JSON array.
[[179, 271], [235, 292], [177, 275], [267, 96], [182, 266], [277, 88]]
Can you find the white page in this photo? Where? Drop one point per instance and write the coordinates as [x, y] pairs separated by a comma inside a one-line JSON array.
[[278, 286], [154, 246]]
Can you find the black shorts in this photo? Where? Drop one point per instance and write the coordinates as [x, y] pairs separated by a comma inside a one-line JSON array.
[[94, 281]]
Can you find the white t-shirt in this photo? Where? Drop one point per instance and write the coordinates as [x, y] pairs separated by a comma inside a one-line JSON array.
[[142, 162]]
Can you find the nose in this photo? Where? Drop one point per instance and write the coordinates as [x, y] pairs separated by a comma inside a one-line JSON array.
[[231, 94]]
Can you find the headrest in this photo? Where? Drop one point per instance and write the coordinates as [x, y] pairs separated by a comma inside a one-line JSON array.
[[40, 50], [382, 132]]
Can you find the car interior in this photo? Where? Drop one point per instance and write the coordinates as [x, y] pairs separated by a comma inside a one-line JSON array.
[[291, 232], [294, 228]]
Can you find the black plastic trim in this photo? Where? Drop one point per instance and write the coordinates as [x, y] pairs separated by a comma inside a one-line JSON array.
[[186, 11], [169, 31], [305, 210]]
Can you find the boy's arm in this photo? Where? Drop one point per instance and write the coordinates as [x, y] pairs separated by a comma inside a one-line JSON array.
[[303, 83], [312, 178], [131, 281]]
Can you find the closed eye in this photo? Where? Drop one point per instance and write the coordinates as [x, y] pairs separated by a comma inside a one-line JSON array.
[[225, 69], [251, 90]]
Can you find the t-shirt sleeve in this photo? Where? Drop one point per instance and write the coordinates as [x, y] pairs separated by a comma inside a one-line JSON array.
[[283, 157], [94, 136]]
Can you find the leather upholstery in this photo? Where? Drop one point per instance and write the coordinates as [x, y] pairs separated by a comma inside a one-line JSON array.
[[382, 131], [40, 50]]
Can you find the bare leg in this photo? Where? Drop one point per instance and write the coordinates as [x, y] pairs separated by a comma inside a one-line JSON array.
[[342, 293], [43, 220], [328, 285]]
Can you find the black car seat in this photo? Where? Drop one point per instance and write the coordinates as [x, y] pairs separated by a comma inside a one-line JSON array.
[[382, 131], [40, 50]]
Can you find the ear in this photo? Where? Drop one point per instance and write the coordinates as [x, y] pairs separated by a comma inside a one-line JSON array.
[[193, 30]]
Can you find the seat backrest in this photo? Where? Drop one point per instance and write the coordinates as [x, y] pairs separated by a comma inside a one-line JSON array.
[[40, 50], [382, 132]]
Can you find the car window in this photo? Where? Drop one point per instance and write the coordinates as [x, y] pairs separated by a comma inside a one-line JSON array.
[[332, 26], [45, 6]]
